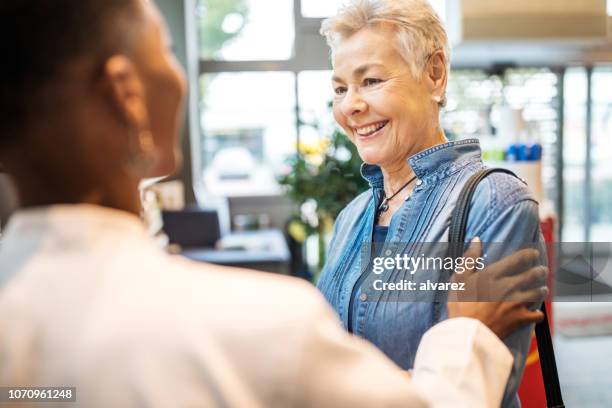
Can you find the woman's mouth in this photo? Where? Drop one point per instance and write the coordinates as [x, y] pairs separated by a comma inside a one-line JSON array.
[[370, 130]]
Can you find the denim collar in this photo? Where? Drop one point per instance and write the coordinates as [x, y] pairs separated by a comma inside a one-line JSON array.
[[429, 161]]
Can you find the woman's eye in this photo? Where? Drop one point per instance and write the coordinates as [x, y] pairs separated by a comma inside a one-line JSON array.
[[371, 81], [340, 90]]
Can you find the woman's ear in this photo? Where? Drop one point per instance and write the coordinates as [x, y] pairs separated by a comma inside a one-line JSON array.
[[127, 91], [437, 75]]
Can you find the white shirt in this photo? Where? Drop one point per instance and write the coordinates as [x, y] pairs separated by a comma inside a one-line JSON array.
[[88, 300]]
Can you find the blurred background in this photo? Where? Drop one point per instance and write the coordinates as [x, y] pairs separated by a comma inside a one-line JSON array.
[[264, 91], [267, 171], [262, 138]]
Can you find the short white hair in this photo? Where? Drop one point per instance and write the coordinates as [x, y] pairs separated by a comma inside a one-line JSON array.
[[420, 31]]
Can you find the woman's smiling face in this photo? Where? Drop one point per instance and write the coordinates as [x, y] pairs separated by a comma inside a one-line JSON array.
[[384, 110]]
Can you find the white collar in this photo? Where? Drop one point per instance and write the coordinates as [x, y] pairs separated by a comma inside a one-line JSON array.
[[76, 219]]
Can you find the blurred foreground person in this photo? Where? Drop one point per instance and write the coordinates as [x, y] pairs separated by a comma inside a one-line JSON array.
[[90, 104]]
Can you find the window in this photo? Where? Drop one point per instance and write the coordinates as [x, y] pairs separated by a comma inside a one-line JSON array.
[[601, 153], [257, 98], [240, 30], [326, 8], [535, 91], [320, 8], [574, 155], [262, 90], [315, 96], [471, 95], [479, 104], [587, 152], [248, 126]]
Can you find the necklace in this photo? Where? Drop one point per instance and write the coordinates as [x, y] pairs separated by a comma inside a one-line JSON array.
[[384, 206]]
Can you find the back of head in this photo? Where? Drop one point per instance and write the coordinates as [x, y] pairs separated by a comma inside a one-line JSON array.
[[90, 100], [41, 38]]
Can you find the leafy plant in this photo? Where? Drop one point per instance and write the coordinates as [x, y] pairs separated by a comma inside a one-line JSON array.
[[323, 178]]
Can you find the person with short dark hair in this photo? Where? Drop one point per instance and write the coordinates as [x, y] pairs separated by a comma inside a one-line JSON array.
[[90, 104]]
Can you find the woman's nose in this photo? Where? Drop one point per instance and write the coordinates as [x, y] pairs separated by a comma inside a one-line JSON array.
[[353, 103]]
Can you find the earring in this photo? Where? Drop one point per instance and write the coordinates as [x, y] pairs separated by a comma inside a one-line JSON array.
[[142, 153], [440, 100]]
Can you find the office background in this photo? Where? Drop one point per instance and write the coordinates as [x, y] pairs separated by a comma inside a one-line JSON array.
[[260, 88]]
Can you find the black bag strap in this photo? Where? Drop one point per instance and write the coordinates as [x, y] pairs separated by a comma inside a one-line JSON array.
[[456, 241], [548, 364]]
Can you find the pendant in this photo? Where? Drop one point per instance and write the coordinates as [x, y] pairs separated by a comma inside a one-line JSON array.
[[384, 206]]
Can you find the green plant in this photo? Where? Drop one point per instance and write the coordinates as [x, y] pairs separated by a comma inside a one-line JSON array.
[[323, 178]]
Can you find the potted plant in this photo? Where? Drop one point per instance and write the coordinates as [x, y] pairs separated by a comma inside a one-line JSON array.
[[323, 178]]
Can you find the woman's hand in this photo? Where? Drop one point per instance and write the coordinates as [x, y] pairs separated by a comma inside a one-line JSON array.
[[500, 296]]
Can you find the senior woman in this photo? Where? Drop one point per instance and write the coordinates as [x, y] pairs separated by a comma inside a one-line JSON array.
[[390, 70], [90, 103]]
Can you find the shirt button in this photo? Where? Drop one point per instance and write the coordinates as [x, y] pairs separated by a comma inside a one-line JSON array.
[[388, 252], [419, 182], [363, 297]]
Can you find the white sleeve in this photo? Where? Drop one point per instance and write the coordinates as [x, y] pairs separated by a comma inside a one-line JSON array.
[[460, 363]]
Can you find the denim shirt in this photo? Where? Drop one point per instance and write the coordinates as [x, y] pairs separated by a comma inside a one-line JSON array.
[[502, 211]]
